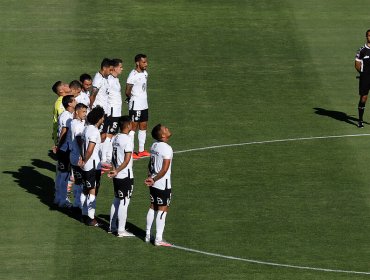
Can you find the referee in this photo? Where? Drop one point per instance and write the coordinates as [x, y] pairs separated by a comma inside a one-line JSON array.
[[362, 65]]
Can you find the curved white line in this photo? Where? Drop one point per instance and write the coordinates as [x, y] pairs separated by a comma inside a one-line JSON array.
[[262, 262], [269, 263], [270, 141]]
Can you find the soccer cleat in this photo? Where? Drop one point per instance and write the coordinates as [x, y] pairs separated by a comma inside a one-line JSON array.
[[147, 238], [112, 231], [125, 234], [360, 124], [135, 155], [92, 223], [162, 243], [143, 154]]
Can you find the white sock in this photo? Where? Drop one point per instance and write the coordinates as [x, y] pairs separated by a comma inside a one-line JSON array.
[[77, 189], [149, 220], [109, 149], [83, 199], [122, 214], [91, 205], [142, 137], [113, 214], [160, 222], [132, 135]]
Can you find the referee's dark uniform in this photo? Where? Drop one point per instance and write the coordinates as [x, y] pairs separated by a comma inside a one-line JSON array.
[[363, 56]]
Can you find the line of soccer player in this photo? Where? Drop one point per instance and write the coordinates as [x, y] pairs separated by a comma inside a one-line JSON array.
[[91, 138]]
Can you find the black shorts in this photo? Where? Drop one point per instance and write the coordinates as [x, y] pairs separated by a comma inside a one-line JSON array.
[[105, 125], [113, 125], [64, 164], [123, 187], [77, 174], [139, 115], [364, 86], [91, 179], [160, 197]]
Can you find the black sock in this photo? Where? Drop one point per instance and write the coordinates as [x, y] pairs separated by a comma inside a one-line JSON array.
[[361, 110]]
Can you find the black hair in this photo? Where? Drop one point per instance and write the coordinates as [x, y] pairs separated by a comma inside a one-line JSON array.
[[123, 121], [95, 115], [139, 56], [66, 100], [80, 106], [116, 61], [75, 84], [106, 62], [85, 77], [156, 132], [55, 86], [367, 32]]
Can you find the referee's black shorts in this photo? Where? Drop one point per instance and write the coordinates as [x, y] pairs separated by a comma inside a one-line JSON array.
[[364, 86]]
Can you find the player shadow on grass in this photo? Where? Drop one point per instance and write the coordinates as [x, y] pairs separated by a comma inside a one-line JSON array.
[[138, 232], [40, 185], [340, 116]]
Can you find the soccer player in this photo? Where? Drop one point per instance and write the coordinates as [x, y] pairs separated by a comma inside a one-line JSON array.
[[159, 181], [61, 89], [136, 92], [90, 163], [99, 97], [63, 151], [75, 130], [123, 177], [115, 109], [362, 65], [80, 96], [86, 82]]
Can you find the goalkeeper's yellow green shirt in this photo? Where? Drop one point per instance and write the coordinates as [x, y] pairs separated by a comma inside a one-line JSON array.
[[58, 109]]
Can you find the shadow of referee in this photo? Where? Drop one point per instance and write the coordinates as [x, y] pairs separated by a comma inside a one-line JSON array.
[[337, 115]]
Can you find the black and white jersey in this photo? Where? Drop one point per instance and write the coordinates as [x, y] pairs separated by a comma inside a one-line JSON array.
[[159, 152], [139, 96], [101, 83], [122, 144], [363, 55], [64, 121], [91, 134], [114, 97]]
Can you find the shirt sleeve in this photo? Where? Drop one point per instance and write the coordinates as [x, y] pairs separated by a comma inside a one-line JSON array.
[[97, 82], [131, 78], [94, 137]]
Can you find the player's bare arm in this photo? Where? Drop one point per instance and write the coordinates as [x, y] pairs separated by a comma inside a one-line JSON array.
[[358, 65], [93, 94], [62, 137], [114, 172], [89, 152], [128, 90], [165, 166]]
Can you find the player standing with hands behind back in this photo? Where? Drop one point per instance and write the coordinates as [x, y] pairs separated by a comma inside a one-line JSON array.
[[159, 181], [137, 96], [362, 65]]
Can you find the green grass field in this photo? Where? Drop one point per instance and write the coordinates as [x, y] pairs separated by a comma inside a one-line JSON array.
[[220, 73]]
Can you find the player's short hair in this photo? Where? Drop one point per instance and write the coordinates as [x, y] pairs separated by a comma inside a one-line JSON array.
[[367, 32], [123, 121], [139, 56], [80, 106], [75, 84], [95, 115], [116, 61], [56, 86], [85, 77], [156, 132], [66, 100], [106, 62]]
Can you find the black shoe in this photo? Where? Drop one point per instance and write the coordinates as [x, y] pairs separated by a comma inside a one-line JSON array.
[[360, 124], [92, 223]]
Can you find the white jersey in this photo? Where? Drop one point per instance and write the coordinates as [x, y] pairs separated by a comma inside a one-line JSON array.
[[139, 96], [83, 98], [122, 144], [76, 129], [91, 134], [158, 152], [114, 97], [101, 99], [63, 120]]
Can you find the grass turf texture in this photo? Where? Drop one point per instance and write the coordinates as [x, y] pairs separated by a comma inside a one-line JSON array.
[[220, 72]]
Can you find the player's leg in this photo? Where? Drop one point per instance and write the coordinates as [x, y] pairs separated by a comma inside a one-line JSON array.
[[93, 185], [143, 126], [149, 222], [364, 87], [113, 215], [125, 192], [163, 201]]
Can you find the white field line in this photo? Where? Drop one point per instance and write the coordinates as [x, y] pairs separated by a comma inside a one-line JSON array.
[[270, 141], [257, 261], [269, 263]]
